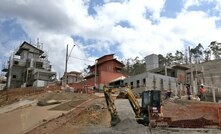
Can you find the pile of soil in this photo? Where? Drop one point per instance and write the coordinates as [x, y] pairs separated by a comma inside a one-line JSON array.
[[14, 95], [96, 115], [183, 110], [126, 126]]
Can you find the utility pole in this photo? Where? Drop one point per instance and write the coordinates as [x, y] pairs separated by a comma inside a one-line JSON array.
[[66, 63], [191, 71], [95, 76]]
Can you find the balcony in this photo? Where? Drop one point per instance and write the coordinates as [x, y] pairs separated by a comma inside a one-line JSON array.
[[41, 74], [90, 74], [19, 62]]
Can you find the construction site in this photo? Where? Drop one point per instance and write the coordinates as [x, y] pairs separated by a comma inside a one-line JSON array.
[[52, 110], [161, 99]]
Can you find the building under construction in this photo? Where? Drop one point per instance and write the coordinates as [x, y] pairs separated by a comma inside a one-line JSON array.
[[28, 66]]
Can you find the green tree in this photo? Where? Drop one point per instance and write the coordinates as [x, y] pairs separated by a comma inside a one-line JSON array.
[[169, 59], [197, 53], [134, 66], [216, 49], [162, 60], [179, 57], [207, 54]]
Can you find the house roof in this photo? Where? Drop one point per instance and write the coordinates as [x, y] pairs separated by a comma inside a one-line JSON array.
[[178, 66], [21, 48], [74, 72], [89, 76], [159, 69], [107, 61], [119, 78], [105, 56]]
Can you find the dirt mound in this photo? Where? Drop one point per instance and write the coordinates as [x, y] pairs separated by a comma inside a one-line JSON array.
[[68, 105], [183, 110], [127, 124]]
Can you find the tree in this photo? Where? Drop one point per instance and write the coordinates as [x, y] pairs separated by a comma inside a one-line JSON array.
[[197, 53], [178, 57], [207, 54], [162, 60], [216, 49], [169, 59], [134, 66]]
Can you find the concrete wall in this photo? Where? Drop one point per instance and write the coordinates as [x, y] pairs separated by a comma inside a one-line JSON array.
[[152, 61], [17, 77], [2, 86], [39, 83], [181, 77], [212, 72], [150, 81]]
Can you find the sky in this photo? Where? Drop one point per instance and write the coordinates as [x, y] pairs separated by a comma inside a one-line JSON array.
[[126, 28]]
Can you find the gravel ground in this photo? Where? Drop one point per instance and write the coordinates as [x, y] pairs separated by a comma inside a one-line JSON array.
[[128, 125]]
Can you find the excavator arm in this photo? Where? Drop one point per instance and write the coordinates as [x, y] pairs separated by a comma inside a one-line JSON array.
[[133, 101], [111, 105]]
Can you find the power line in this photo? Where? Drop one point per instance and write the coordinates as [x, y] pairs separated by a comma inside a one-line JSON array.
[[81, 59]]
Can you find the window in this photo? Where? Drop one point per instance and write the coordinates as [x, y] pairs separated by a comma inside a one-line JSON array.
[[144, 82], [39, 65], [126, 84], [109, 68], [118, 70], [138, 84], [131, 84], [16, 62], [161, 84], [154, 82], [14, 76]]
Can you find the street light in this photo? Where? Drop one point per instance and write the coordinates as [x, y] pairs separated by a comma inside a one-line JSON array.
[[66, 64]]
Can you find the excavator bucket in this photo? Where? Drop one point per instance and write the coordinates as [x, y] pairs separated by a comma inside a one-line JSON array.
[[115, 120]]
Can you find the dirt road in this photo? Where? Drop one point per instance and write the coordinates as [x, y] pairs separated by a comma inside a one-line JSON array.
[[22, 119], [87, 114], [25, 115]]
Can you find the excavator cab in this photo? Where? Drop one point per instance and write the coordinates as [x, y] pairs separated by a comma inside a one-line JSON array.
[[150, 106], [151, 99]]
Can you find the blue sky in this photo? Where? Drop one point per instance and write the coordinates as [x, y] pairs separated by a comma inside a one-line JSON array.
[[127, 28]]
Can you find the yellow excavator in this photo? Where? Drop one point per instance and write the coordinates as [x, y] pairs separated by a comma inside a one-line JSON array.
[[150, 107]]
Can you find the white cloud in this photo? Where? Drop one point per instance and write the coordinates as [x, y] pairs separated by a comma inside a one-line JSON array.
[[55, 22], [189, 3]]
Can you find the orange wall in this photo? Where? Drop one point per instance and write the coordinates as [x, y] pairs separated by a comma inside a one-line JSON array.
[[103, 78], [106, 77], [90, 81]]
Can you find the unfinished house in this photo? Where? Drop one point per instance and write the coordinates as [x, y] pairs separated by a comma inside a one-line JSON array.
[[29, 66], [157, 77], [73, 77], [105, 70]]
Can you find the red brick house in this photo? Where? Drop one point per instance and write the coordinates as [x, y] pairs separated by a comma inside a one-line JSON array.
[[106, 69]]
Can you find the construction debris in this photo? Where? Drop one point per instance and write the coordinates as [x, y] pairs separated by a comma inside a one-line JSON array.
[[46, 103]]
